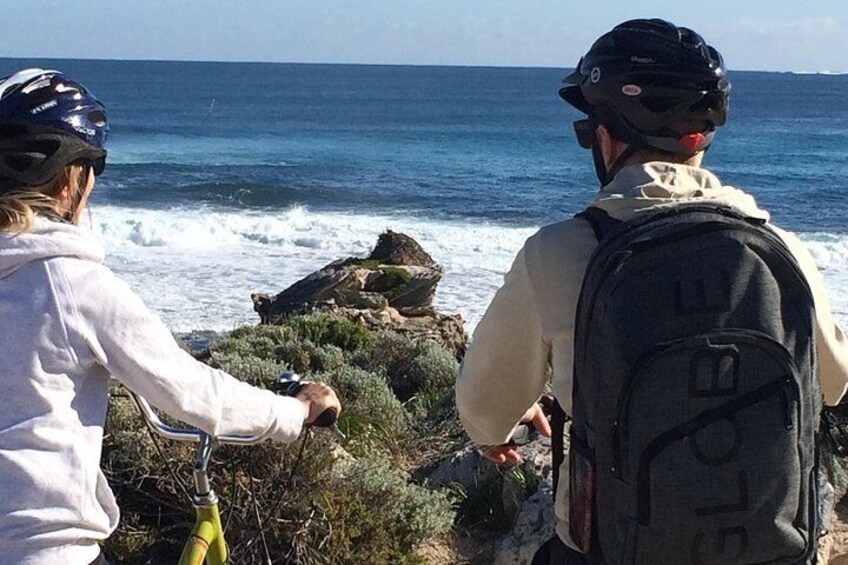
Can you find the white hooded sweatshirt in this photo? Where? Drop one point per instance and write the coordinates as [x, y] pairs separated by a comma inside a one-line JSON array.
[[67, 324]]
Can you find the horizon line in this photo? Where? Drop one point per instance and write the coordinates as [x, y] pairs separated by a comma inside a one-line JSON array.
[[376, 64]]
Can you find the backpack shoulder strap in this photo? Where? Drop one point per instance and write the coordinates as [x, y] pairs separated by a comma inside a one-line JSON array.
[[602, 223], [558, 420]]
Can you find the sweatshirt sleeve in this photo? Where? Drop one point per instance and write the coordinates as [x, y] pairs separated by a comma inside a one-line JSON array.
[[831, 344], [505, 369], [114, 328]]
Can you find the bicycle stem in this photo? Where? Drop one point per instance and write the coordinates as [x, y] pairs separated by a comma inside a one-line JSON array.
[[203, 491]]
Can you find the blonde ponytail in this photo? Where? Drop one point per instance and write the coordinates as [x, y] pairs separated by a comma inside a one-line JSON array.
[[19, 207]]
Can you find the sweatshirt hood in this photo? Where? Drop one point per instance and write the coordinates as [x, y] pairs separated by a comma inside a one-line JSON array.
[[46, 240], [647, 186]]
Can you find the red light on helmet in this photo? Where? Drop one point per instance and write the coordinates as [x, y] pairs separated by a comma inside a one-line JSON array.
[[692, 141]]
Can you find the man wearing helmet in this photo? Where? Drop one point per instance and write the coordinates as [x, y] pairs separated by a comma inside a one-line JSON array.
[[653, 94], [68, 324]]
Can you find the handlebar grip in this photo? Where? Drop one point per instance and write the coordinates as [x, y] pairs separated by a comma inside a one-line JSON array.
[[326, 419]]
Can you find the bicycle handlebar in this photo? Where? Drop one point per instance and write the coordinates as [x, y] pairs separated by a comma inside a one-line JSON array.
[[288, 384], [184, 434]]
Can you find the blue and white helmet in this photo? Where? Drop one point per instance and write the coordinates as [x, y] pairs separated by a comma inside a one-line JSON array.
[[48, 120]]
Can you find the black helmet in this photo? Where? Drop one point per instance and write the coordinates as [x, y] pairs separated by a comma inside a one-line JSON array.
[[48, 120], [653, 85]]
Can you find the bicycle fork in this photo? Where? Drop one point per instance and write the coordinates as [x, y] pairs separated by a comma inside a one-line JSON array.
[[206, 542]]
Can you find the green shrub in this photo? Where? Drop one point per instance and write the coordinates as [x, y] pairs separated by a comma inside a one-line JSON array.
[[391, 354], [493, 504], [327, 329], [255, 341], [349, 503], [412, 366], [280, 345], [254, 370], [408, 513], [305, 356], [129, 448], [370, 411], [432, 374], [391, 281]]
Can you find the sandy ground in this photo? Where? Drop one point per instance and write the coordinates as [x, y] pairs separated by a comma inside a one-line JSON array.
[[839, 535], [451, 549]]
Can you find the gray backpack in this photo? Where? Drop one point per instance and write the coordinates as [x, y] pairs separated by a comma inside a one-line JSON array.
[[696, 397]]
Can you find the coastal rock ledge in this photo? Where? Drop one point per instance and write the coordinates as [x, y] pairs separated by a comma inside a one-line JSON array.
[[391, 289]]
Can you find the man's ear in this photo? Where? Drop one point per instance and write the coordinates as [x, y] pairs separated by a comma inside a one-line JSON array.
[[610, 147]]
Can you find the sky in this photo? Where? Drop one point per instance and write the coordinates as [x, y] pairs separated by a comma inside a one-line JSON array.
[[774, 35]]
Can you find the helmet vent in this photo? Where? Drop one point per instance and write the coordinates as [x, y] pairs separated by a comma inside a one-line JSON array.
[[20, 162], [98, 118]]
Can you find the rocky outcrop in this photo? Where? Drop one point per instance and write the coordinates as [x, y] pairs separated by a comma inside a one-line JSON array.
[[531, 510], [535, 522], [395, 248], [391, 289]]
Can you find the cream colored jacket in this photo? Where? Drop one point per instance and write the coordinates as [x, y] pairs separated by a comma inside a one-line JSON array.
[[527, 333]]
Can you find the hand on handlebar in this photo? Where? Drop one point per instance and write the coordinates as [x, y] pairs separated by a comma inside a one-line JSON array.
[[508, 452], [319, 399]]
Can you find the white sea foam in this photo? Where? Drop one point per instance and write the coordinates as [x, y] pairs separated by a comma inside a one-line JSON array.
[[830, 251], [197, 268]]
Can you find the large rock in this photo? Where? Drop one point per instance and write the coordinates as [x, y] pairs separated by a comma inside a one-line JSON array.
[[354, 283], [534, 515], [466, 468], [395, 248], [534, 525], [424, 323], [535, 522], [391, 289]]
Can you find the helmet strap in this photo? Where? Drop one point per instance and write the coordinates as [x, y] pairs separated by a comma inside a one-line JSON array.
[[600, 167]]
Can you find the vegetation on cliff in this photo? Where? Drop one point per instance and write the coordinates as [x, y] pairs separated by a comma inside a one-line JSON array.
[[365, 499]]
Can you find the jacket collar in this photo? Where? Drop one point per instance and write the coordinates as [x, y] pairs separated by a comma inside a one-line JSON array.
[[661, 180], [47, 239], [645, 186]]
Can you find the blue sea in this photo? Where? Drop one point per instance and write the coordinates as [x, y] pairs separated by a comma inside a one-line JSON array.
[[229, 178]]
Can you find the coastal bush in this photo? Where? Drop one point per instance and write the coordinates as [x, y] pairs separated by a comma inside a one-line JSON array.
[[391, 354], [493, 504], [286, 346], [129, 448], [432, 374], [254, 370], [348, 501], [408, 513], [335, 508], [370, 410], [391, 281], [248, 341], [327, 329], [304, 356], [411, 366]]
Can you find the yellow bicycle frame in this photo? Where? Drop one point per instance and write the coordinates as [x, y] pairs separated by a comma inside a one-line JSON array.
[[206, 541]]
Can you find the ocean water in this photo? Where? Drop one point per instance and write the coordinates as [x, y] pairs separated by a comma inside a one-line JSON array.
[[229, 178]]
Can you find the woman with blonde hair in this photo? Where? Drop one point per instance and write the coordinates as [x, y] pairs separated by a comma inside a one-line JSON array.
[[68, 324]]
